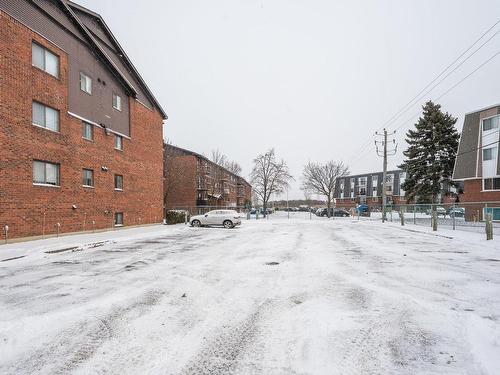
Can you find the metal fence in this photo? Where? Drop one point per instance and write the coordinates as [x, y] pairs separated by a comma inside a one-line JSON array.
[[467, 216]]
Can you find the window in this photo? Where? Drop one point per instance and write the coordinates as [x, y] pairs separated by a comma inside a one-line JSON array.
[[118, 142], [389, 182], [494, 211], [362, 185], [491, 123], [87, 131], [44, 59], [489, 153], [45, 173], [491, 183], [88, 177], [118, 218], [402, 178], [45, 117], [374, 185], [117, 102], [118, 182], [85, 83]]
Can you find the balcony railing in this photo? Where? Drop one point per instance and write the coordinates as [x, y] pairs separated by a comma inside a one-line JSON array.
[[202, 202]]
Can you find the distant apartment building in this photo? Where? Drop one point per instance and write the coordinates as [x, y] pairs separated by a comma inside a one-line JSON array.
[[192, 181], [478, 163], [367, 189], [81, 134]]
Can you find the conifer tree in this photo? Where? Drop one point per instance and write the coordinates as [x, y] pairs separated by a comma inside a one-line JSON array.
[[430, 156]]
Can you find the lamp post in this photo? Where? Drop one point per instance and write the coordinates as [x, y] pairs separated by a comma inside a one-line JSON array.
[[287, 207]]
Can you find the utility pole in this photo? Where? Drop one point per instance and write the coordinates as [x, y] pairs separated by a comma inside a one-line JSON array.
[[384, 153]]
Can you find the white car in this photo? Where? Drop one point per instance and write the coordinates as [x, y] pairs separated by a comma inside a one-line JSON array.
[[226, 218]]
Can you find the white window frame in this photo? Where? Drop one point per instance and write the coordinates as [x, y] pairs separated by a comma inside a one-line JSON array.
[[117, 102], [490, 208], [46, 109], [85, 83], [92, 177], [118, 188], [47, 54], [375, 186], [116, 223], [491, 119], [402, 179], [87, 125], [45, 182], [492, 184], [120, 146], [493, 153]]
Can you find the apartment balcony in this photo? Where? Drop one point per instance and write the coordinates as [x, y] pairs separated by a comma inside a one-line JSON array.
[[202, 202]]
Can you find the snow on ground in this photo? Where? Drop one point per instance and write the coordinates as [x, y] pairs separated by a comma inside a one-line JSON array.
[[273, 296]]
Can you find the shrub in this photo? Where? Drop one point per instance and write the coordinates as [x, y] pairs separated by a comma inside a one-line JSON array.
[[176, 216]]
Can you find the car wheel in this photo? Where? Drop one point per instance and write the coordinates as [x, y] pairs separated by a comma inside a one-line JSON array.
[[196, 223], [228, 224]]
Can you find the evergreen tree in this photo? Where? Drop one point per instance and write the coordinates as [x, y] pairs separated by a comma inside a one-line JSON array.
[[430, 156]]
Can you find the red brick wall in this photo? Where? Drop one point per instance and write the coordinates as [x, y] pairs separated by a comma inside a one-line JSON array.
[[472, 193], [183, 191], [29, 209]]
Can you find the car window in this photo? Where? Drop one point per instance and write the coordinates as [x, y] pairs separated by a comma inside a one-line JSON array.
[[211, 213]]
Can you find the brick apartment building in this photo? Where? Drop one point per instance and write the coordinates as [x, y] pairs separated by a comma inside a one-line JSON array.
[[81, 134], [367, 188], [478, 163], [194, 182]]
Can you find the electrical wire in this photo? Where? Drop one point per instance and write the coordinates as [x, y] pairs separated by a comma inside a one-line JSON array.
[[363, 146]]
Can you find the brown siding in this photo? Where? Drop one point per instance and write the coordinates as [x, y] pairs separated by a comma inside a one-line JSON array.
[[98, 106], [105, 43], [468, 163], [465, 163]]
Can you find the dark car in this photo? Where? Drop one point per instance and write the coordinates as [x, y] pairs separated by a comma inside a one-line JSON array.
[[335, 212], [342, 213]]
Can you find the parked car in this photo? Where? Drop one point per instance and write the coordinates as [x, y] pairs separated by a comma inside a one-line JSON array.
[[226, 218], [342, 213], [441, 211], [456, 211], [333, 211]]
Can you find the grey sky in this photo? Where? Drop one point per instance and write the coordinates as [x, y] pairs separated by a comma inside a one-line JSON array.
[[313, 79]]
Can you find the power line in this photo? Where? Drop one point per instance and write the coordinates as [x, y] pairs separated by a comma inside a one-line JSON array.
[[454, 86], [438, 76], [416, 97]]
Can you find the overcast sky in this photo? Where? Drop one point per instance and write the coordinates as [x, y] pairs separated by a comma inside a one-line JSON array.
[[313, 79]]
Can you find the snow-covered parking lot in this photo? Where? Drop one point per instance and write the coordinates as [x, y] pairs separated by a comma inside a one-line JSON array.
[[273, 296]]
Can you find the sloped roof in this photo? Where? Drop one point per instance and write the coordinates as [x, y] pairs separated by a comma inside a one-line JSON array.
[[200, 156], [102, 39]]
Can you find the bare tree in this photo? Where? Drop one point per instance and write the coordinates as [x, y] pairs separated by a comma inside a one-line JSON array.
[[269, 176], [322, 179], [233, 167], [220, 159]]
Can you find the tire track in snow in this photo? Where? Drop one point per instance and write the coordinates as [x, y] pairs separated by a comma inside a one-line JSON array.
[[75, 345], [220, 355]]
